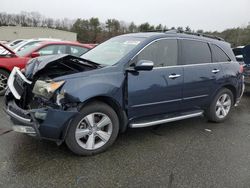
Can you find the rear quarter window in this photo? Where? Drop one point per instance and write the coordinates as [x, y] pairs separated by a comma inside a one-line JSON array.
[[219, 55]]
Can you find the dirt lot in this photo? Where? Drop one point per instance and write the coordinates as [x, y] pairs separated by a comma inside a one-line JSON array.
[[188, 153]]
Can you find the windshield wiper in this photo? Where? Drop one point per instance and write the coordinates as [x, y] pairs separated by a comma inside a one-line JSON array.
[[92, 62]]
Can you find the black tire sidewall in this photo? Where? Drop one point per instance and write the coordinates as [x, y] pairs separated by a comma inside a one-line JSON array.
[[5, 73], [91, 108]]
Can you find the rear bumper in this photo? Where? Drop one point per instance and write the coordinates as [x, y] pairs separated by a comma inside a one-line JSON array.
[[241, 90], [42, 123]]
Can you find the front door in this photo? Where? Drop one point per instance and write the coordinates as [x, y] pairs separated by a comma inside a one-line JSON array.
[[158, 91]]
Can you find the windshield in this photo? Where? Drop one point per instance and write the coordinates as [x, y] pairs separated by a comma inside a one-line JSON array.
[[28, 49], [18, 44], [113, 50]]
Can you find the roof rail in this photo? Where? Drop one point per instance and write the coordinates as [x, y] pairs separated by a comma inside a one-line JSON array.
[[196, 34], [158, 30], [171, 31]]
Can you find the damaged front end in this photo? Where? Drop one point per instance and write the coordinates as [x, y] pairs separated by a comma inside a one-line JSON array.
[[35, 100]]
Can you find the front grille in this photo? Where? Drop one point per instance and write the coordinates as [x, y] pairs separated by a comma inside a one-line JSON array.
[[18, 84]]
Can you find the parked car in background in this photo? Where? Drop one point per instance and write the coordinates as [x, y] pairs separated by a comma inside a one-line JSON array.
[[239, 54], [19, 59], [134, 80], [242, 54], [246, 72], [15, 42], [26, 43]]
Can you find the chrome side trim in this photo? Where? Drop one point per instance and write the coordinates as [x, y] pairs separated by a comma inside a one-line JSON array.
[[176, 66], [153, 103], [147, 124], [18, 117], [195, 97]]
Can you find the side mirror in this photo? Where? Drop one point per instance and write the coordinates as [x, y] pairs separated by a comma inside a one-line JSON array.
[[34, 54], [145, 65]]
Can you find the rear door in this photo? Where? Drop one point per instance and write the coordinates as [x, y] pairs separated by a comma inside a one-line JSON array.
[[158, 91], [201, 76]]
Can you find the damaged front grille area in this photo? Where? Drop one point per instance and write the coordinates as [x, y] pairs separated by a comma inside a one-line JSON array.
[[17, 82]]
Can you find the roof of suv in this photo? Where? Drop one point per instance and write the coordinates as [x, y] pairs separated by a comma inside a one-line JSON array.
[[198, 36]]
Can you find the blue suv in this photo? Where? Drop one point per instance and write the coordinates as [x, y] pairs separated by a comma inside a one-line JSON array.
[[133, 80]]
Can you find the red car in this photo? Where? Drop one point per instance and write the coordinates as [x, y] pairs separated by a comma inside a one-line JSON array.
[[10, 59]]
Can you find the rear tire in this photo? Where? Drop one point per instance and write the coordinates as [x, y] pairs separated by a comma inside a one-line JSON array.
[[94, 130], [4, 75], [220, 108]]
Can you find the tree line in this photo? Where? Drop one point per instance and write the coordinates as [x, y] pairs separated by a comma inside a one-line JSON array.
[[93, 31]]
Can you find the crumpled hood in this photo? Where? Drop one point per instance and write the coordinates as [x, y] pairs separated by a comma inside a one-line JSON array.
[[36, 65]]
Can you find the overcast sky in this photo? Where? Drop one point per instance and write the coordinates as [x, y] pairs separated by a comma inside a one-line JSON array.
[[198, 14]]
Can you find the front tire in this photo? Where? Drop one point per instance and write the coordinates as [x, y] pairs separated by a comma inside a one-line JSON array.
[[4, 75], [94, 130], [220, 108]]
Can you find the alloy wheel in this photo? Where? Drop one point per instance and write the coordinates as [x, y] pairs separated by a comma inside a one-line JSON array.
[[3, 82], [93, 131], [223, 106]]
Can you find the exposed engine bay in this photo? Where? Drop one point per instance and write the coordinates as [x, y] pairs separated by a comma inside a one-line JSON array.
[[43, 91]]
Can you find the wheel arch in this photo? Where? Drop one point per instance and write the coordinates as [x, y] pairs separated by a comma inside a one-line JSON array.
[[123, 120], [233, 90]]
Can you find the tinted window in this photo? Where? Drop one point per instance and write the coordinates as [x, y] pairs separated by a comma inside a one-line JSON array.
[[52, 50], [77, 50], [218, 54], [195, 52], [162, 53]]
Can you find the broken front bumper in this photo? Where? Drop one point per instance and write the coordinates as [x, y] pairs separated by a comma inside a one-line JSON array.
[[45, 123], [42, 123]]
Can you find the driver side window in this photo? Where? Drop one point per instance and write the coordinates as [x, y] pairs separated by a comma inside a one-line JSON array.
[[162, 53]]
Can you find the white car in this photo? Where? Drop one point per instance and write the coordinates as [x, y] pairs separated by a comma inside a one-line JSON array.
[[15, 42], [26, 43]]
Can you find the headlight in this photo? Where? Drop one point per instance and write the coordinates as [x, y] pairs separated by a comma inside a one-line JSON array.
[[46, 88]]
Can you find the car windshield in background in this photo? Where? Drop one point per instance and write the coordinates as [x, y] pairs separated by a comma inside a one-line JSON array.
[[27, 50], [113, 50], [17, 45]]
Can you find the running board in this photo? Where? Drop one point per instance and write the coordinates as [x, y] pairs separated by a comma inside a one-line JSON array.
[[166, 120]]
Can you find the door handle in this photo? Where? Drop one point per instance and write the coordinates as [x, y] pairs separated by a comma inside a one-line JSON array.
[[215, 71], [173, 76]]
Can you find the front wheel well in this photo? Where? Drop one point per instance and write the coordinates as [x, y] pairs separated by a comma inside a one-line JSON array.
[[123, 120]]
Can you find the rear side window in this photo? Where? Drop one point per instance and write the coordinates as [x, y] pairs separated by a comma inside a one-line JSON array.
[[218, 54], [53, 50], [195, 52], [162, 53]]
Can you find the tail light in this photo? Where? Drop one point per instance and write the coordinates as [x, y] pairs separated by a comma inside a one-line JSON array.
[[241, 68]]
